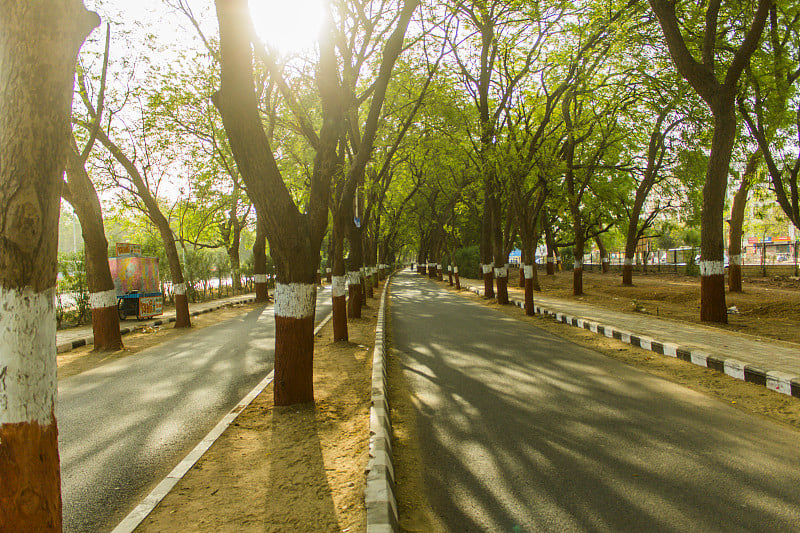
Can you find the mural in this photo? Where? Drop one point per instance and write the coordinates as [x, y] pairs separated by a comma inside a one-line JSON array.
[[135, 274]]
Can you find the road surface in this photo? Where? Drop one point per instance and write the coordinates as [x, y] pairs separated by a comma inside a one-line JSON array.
[[123, 426], [522, 431]]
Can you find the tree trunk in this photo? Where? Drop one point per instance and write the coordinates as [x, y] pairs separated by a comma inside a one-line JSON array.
[[737, 221], [458, 279], [713, 307], [604, 262], [80, 192], [528, 273], [260, 263], [39, 43], [578, 249], [552, 250], [500, 257], [295, 304], [720, 99], [236, 267], [354, 283], [295, 237], [338, 283], [486, 241]]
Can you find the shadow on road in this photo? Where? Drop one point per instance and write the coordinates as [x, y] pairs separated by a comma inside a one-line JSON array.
[[523, 431]]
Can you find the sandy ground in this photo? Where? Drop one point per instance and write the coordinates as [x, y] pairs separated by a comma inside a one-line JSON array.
[[297, 468], [767, 307], [414, 510]]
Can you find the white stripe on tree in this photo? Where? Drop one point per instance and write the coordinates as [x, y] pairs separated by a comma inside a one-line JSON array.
[[487, 269], [27, 355], [353, 278], [628, 262], [338, 286], [550, 259], [712, 268], [455, 270], [577, 264], [261, 278], [179, 288], [295, 300], [101, 300], [736, 259], [528, 271]]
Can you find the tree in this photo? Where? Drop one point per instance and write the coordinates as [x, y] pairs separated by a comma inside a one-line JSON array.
[[655, 160], [720, 98], [39, 43], [295, 237], [80, 192], [771, 108], [137, 155], [737, 222], [138, 184]]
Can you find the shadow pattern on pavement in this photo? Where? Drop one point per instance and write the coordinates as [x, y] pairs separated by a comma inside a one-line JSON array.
[[523, 431]]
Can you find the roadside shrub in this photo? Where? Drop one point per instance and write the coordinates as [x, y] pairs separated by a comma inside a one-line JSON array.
[[468, 262], [72, 291]]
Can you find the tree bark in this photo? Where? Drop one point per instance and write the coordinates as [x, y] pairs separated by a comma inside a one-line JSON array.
[[486, 242], [339, 283], [604, 261], [552, 250], [39, 43], [737, 221], [81, 194], [260, 263], [354, 282]]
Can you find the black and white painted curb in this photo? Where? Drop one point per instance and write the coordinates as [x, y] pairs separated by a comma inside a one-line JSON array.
[[379, 494], [140, 512], [89, 339], [772, 379]]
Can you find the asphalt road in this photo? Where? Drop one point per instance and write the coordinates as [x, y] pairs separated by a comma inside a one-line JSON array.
[[522, 431], [123, 426]]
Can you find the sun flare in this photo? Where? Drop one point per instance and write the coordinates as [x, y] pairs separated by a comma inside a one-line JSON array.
[[289, 25]]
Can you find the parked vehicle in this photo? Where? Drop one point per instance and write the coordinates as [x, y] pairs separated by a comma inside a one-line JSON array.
[[136, 280]]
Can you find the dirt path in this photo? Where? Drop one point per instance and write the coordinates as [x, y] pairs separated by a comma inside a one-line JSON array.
[[297, 468]]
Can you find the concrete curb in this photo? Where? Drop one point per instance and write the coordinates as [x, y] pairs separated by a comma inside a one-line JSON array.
[[89, 339], [379, 496], [774, 380], [140, 512]]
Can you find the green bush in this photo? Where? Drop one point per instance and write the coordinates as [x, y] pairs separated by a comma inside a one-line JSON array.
[[72, 291], [468, 262]]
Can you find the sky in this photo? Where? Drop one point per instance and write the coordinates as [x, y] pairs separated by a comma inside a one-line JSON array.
[[290, 25]]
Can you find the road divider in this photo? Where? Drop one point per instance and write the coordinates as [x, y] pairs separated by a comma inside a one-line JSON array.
[[379, 495]]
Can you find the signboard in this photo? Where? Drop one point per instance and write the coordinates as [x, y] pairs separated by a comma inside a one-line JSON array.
[[127, 248], [131, 274], [149, 306]]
